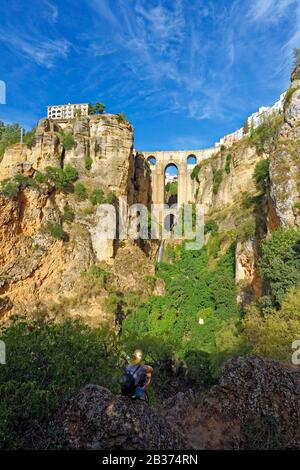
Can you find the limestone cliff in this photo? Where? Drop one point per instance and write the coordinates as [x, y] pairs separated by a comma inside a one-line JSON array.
[[38, 272], [285, 161]]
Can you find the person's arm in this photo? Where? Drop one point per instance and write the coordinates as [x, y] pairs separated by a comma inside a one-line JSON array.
[[149, 373]]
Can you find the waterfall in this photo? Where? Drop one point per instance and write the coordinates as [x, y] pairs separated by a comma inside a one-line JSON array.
[[160, 252]]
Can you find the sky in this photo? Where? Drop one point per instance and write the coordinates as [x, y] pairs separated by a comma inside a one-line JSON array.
[[185, 72]]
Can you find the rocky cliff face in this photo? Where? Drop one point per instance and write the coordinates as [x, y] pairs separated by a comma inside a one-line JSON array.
[[38, 271], [285, 161]]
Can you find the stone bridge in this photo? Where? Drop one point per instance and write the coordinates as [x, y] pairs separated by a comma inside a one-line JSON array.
[[185, 161]]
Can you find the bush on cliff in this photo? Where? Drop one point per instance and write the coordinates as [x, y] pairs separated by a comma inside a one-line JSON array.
[[280, 263], [261, 175]]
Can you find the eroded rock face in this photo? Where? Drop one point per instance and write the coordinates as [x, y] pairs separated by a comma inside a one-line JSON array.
[[239, 180], [97, 419], [285, 162], [255, 405]]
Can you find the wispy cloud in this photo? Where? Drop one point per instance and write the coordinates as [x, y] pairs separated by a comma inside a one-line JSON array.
[[51, 11], [41, 50]]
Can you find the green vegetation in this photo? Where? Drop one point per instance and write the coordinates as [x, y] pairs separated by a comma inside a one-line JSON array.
[[29, 138], [247, 200], [56, 231], [10, 187], [261, 175], [47, 363], [10, 134], [80, 191], [211, 226], [61, 177], [217, 180], [111, 198], [68, 214], [228, 163], [195, 173], [68, 140], [171, 188], [97, 197], [121, 118], [280, 263], [246, 127], [88, 163], [97, 108], [265, 136], [196, 322], [289, 95]]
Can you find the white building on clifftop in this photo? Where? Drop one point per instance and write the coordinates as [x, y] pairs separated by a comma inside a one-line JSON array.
[[68, 111], [253, 121]]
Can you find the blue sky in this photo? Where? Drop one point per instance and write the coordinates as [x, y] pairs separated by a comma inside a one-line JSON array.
[[185, 72]]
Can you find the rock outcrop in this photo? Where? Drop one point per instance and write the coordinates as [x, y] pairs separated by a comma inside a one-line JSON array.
[[255, 405], [97, 419], [39, 272], [285, 161]]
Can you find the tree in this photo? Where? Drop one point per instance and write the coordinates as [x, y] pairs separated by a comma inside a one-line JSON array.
[[246, 127], [97, 108]]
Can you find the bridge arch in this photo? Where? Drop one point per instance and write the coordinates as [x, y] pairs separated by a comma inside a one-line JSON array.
[[191, 159], [185, 161]]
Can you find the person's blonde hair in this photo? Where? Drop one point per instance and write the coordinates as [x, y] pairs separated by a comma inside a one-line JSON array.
[[137, 353]]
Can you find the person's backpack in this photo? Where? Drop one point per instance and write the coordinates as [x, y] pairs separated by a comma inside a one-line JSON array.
[[127, 381]]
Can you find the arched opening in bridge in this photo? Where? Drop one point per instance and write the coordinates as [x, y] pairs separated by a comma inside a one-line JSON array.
[[191, 160], [151, 160], [171, 184]]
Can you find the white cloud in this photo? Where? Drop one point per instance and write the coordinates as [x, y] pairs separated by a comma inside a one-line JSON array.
[[52, 11], [41, 50]]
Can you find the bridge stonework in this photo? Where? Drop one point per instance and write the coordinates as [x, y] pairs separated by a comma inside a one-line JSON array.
[[186, 186]]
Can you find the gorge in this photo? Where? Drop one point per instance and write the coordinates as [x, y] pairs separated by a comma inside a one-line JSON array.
[[215, 323]]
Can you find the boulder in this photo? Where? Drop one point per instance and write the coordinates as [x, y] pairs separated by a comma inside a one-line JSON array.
[[97, 419]]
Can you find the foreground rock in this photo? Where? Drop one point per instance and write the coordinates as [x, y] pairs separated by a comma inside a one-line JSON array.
[[97, 419], [255, 405]]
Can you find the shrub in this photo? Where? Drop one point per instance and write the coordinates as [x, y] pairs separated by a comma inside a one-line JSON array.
[[97, 197], [195, 173], [61, 177], [217, 180], [88, 163], [47, 363], [211, 227], [228, 163], [68, 214], [121, 118], [41, 178], [280, 262], [289, 95], [261, 175], [111, 198], [70, 173], [247, 200], [80, 191], [265, 136], [9, 188], [68, 141], [29, 138], [273, 333], [56, 231], [10, 134]]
